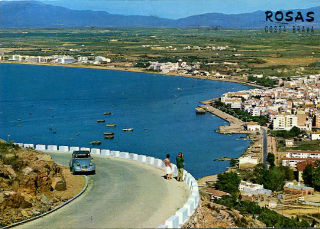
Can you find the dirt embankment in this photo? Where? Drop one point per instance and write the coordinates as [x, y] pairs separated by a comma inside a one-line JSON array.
[[31, 183], [212, 215]]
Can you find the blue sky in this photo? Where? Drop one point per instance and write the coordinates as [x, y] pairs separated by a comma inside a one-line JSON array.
[[182, 8]]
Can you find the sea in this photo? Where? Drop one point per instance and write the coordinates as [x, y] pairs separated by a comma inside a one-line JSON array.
[[61, 106]]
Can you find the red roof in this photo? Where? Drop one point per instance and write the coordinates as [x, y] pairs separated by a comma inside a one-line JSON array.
[[301, 151], [302, 165], [300, 159]]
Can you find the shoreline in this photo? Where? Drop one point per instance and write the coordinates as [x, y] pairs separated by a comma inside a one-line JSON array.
[[130, 69], [234, 123], [235, 127]]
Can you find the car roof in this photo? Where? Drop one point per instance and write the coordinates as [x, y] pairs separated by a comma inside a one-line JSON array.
[[81, 151]]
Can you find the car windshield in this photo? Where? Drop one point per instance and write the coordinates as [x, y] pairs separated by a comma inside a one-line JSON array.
[[82, 155]]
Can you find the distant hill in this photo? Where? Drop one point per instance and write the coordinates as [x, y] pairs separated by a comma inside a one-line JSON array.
[[26, 14]]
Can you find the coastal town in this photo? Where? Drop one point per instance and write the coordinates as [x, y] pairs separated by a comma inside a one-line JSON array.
[[268, 115], [274, 182], [283, 125]]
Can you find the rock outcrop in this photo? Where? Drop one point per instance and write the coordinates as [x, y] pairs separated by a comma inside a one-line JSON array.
[[29, 181]]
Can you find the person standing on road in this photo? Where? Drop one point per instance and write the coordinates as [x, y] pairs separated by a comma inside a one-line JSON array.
[[180, 166], [167, 163]]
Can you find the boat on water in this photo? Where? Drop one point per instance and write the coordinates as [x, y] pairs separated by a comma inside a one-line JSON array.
[[101, 120], [237, 139], [109, 136], [128, 129], [95, 143], [107, 113], [108, 133], [111, 125], [200, 110]]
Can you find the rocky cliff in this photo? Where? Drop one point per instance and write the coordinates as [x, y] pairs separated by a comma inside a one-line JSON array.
[[30, 183]]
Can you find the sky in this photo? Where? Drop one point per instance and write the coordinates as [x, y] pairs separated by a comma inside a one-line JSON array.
[[182, 8]]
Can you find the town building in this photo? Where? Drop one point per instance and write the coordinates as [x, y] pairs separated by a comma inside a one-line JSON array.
[[289, 142], [298, 189], [284, 122], [293, 157], [249, 189], [253, 126]]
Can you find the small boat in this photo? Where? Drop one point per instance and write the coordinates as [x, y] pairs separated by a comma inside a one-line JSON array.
[[77, 134], [108, 133], [128, 129], [200, 110], [102, 120], [107, 113], [109, 136], [237, 139], [95, 143], [111, 125]]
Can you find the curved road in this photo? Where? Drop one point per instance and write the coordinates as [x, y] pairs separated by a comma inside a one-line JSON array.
[[123, 193]]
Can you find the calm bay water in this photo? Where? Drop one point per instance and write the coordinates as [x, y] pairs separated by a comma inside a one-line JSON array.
[[60, 105]]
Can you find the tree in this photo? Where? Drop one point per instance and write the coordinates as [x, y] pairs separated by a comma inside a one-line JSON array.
[[316, 177], [228, 182], [307, 175], [259, 174], [233, 162], [275, 179], [270, 159], [289, 175]]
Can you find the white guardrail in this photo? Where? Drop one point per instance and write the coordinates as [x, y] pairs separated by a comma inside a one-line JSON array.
[[175, 221]]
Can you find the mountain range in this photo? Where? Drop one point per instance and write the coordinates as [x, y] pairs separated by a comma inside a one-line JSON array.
[[34, 14]]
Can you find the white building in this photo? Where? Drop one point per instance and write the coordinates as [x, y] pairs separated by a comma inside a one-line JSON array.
[[248, 188], [235, 103], [289, 142], [101, 60], [65, 60], [284, 122], [315, 136], [253, 126], [293, 157]]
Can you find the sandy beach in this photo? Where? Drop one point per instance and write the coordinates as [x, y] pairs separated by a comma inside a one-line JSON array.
[[131, 69]]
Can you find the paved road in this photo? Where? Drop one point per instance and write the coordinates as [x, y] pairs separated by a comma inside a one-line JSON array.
[[123, 193], [264, 146]]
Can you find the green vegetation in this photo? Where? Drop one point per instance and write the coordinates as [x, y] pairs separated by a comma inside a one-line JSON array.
[[300, 144], [252, 51], [228, 182], [294, 132], [311, 176], [233, 162], [264, 81], [270, 159], [8, 155], [244, 116], [273, 179], [265, 215]]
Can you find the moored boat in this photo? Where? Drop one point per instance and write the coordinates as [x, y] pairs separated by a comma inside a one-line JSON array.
[[109, 136], [101, 120], [108, 133], [107, 113], [111, 125], [200, 110], [95, 143], [128, 129]]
